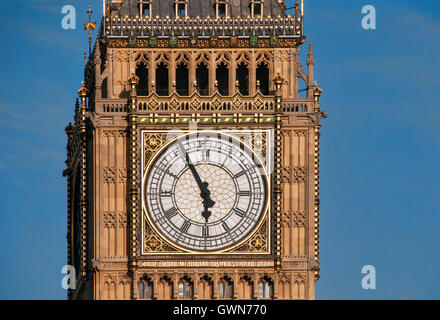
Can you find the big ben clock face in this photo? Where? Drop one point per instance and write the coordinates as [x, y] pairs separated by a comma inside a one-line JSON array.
[[205, 192]]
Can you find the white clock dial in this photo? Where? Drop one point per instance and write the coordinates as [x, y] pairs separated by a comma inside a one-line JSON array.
[[205, 192]]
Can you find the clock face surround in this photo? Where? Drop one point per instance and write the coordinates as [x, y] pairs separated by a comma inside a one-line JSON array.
[[205, 192]]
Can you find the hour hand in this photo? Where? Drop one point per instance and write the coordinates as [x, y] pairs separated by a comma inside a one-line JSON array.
[[207, 201], [206, 195]]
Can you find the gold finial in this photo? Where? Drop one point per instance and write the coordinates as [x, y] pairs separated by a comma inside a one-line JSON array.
[[82, 93], [278, 80], [133, 79], [90, 26], [316, 90], [83, 85]]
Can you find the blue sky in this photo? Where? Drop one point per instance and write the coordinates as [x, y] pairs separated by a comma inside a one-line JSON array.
[[380, 146]]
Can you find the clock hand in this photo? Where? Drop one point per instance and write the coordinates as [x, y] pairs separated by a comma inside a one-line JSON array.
[[203, 186], [207, 202]]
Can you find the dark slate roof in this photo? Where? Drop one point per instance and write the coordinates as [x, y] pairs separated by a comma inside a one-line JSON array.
[[200, 8]]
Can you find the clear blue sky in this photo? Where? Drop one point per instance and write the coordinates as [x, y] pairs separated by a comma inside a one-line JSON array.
[[379, 149]]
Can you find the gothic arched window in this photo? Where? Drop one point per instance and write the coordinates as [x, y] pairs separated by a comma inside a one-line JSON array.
[[265, 288], [256, 9], [148, 290], [221, 9], [142, 74], [145, 288], [222, 77], [181, 9], [202, 76], [182, 81], [263, 78], [243, 79], [162, 80], [225, 288], [185, 288], [145, 7], [141, 289]]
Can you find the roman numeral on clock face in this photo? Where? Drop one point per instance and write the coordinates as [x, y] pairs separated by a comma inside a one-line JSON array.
[[238, 175], [245, 193], [205, 231], [171, 213], [165, 193], [185, 226], [239, 212], [225, 226]]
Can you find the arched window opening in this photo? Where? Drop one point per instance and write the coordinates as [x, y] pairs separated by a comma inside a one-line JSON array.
[[221, 287], [222, 77], [257, 9], [141, 289], [162, 80], [188, 291], [181, 289], [181, 9], [261, 289], [142, 74], [185, 288], [221, 9], [146, 288], [263, 78], [104, 89], [182, 81], [225, 288], [265, 288], [202, 76], [145, 8], [228, 292], [243, 79]]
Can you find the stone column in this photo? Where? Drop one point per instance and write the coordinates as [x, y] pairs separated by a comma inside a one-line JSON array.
[[212, 73]]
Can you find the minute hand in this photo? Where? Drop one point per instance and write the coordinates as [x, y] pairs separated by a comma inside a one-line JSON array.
[[203, 186], [195, 173], [192, 168]]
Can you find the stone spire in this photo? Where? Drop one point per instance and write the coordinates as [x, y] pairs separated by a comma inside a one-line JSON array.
[[310, 64], [311, 59]]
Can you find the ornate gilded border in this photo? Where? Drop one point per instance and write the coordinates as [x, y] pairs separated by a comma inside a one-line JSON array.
[[204, 43], [155, 118]]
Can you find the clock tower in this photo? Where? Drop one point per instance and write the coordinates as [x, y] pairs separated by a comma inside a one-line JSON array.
[[193, 160]]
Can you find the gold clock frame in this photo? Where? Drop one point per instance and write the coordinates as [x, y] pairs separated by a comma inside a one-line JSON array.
[[257, 242]]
